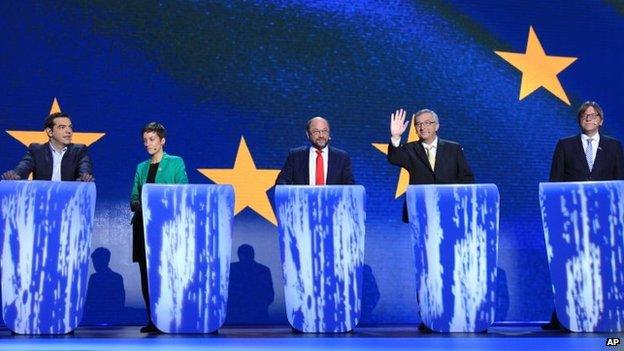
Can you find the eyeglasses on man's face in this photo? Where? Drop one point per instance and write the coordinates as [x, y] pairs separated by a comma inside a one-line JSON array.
[[317, 132], [590, 116], [425, 123]]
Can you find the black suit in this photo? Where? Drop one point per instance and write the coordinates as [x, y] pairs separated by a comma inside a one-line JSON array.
[[570, 164], [450, 164], [39, 161], [296, 170]]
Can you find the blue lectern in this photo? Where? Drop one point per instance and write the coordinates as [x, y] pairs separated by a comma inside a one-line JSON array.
[[188, 241], [455, 237], [46, 241], [321, 231], [583, 225]]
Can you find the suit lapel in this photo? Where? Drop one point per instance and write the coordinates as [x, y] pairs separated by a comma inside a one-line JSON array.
[[330, 165], [441, 148], [580, 151], [599, 154], [305, 159], [164, 161], [49, 161]]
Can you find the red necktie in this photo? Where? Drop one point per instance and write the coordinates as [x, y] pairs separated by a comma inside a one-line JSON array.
[[320, 171]]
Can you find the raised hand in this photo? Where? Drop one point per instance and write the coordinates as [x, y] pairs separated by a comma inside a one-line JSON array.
[[10, 175], [398, 124]]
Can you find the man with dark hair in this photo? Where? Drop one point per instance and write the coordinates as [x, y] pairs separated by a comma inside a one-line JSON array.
[[587, 156], [58, 159], [318, 164]]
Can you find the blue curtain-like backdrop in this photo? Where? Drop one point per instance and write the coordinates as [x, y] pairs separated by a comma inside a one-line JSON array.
[[235, 81]]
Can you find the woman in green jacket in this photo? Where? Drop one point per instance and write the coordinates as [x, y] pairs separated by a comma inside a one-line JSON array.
[[161, 168]]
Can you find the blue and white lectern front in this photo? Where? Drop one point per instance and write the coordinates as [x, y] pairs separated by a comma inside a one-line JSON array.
[[46, 238], [321, 230], [188, 241], [455, 237], [583, 228]]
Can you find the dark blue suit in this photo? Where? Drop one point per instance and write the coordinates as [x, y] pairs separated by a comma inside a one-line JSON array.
[[296, 170], [570, 164], [39, 161]]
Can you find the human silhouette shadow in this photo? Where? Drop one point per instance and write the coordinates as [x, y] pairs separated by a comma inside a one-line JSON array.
[[370, 294], [502, 295], [106, 295], [251, 290]]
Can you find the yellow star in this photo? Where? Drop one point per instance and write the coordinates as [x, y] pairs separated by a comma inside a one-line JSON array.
[[538, 70], [29, 137], [404, 175], [250, 184]]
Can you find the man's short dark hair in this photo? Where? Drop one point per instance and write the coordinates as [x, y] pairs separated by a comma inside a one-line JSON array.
[[154, 127], [585, 106], [49, 121]]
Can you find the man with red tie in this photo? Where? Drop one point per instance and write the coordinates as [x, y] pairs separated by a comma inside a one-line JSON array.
[[318, 164]]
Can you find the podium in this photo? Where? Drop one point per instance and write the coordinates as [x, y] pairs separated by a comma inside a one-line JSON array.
[[321, 235], [188, 243], [46, 241], [583, 229], [455, 238]]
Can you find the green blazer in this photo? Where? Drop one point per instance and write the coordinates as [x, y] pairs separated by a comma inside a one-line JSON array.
[[170, 171]]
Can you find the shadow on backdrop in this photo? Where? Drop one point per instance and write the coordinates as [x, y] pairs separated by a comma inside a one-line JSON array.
[[106, 296], [502, 295], [370, 294], [250, 291]]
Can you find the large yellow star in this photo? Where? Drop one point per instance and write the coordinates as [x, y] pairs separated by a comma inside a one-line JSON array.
[[250, 184], [404, 175], [538, 69], [29, 137]]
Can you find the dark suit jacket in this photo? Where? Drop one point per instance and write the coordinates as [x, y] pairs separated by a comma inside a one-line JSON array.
[[450, 166], [570, 164], [296, 170], [39, 161]]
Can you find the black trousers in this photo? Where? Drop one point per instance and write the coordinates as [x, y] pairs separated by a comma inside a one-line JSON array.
[[138, 255]]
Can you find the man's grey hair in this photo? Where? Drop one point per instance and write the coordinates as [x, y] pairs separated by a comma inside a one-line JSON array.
[[425, 110], [313, 118]]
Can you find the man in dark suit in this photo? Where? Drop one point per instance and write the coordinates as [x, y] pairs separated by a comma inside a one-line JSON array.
[[58, 159], [318, 164], [588, 156], [430, 160]]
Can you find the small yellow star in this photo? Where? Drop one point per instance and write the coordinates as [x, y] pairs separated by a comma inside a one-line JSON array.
[[538, 69], [29, 137], [404, 175], [250, 184]]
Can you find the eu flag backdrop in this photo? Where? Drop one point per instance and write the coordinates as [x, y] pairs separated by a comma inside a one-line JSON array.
[[235, 81]]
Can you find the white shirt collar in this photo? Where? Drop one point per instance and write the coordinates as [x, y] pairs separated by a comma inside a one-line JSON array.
[[323, 150], [59, 151], [434, 144], [595, 138]]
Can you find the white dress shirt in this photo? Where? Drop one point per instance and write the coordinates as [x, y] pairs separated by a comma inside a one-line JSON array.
[[595, 143], [312, 163], [57, 157], [433, 148]]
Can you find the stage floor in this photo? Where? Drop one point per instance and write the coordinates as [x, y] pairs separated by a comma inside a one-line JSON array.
[[502, 337]]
